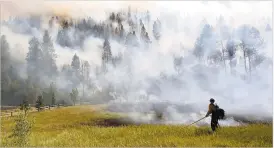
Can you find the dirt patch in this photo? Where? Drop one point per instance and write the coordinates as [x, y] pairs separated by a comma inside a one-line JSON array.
[[114, 122], [111, 122]]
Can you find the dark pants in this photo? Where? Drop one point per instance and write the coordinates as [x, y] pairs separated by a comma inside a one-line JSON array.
[[214, 122]]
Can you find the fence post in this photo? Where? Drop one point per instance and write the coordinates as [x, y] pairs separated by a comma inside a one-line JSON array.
[[11, 114]]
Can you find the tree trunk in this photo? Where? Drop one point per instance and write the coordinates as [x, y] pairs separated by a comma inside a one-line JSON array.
[[245, 62], [83, 91], [223, 55], [249, 65], [230, 64], [224, 60], [243, 46]]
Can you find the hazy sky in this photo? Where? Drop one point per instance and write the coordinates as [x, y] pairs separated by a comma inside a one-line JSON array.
[[229, 8]]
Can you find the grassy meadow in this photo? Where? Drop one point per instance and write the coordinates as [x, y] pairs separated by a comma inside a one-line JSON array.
[[91, 126]]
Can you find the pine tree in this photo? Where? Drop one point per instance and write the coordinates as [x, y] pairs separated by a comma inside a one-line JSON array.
[[74, 95], [5, 64], [122, 32], [118, 19], [5, 54], [85, 71], [63, 38], [34, 58], [21, 131], [117, 60], [30, 91], [157, 29], [75, 69], [13, 73], [198, 49], [50, 56], [143, 32], [52, 91], [25, 106], [107, 55], [53, 100], [205, 42], [112, 17], [39, 103], [75, 64], [66, 71]]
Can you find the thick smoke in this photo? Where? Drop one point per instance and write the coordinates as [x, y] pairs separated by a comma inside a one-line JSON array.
[[147, 79]]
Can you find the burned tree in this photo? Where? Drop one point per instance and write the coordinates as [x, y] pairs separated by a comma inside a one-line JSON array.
[[230, 52], [112, 17], [251, 41], [205, 42], [107, 55]]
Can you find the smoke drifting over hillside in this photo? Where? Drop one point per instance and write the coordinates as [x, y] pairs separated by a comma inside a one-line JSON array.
[[147, 77]]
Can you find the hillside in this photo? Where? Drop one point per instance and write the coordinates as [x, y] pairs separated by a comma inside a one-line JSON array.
[[92, 126]]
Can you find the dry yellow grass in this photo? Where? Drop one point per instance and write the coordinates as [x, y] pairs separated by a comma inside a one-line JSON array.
[[78, 126]]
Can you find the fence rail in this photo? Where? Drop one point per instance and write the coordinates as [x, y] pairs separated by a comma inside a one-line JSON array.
[[9, 111]]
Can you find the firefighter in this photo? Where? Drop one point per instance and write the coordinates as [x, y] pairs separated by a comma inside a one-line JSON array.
[[212, 110]]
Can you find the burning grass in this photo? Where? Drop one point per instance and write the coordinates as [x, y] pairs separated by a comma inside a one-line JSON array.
[[87, 126]]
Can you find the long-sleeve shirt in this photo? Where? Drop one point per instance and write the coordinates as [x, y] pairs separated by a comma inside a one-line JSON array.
[[211, 108]]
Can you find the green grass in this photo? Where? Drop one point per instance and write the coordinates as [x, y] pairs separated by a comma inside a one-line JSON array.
[[79, 126]]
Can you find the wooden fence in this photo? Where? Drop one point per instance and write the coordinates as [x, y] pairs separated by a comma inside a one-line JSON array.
[[11, 110]]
